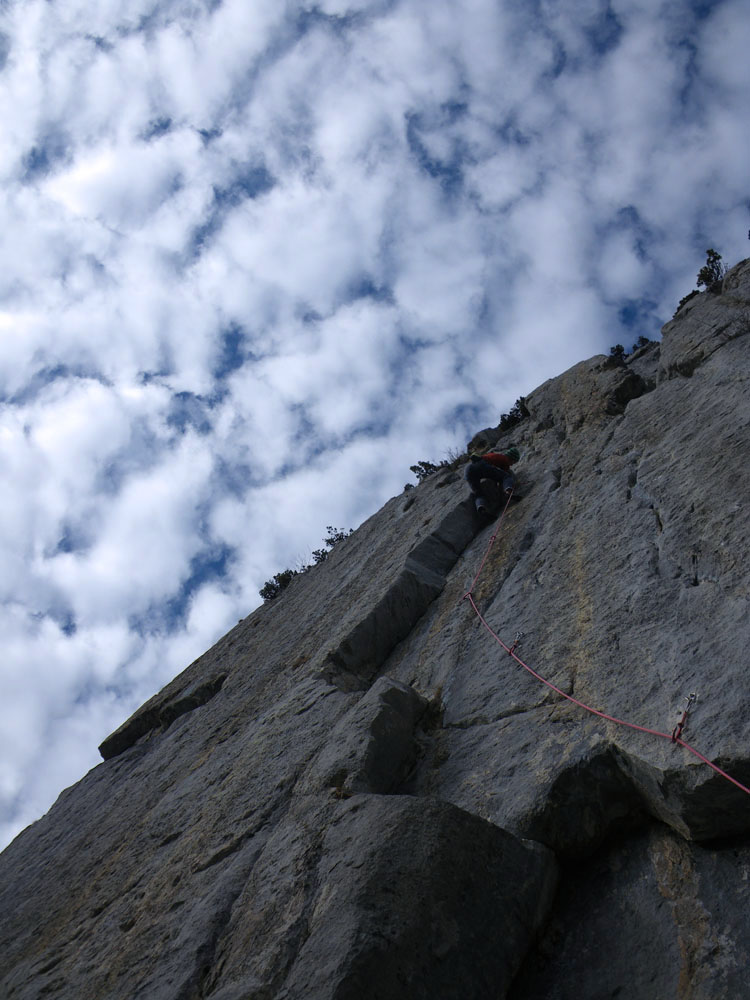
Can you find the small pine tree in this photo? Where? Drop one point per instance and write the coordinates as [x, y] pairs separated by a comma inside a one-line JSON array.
[[423, 469], [516, 415], [712, 271], [617, 352], [335, 536]]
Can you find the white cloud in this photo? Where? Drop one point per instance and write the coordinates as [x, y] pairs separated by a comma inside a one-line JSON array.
[[147, 537], [440, 268]]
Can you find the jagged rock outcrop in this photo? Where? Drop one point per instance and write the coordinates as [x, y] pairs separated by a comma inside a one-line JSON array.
[[358, 793]]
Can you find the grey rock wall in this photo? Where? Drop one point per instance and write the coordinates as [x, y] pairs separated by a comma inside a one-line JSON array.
[[672, 914], [358, 793]]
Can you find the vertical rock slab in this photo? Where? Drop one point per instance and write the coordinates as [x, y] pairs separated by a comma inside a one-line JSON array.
[[372, 748], [406, 899]]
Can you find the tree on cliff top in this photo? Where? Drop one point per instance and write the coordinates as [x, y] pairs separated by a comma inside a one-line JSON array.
[[712, 271]]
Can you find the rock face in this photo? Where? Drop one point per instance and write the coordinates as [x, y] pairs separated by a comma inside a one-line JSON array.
[[357, 793]]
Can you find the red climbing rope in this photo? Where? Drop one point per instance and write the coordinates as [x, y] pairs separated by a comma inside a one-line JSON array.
[[673, 737], [492, 542]]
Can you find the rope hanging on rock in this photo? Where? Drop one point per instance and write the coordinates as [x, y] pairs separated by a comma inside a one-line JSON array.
[[673, 737]]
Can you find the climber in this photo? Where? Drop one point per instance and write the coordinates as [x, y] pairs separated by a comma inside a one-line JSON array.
[[492, 465]]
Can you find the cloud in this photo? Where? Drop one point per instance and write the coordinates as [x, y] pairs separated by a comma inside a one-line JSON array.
[[261, 258]]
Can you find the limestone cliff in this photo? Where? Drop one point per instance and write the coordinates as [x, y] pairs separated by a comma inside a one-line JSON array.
[[358, 794]]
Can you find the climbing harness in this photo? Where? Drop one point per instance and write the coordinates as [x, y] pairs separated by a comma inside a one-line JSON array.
[[675, 736]]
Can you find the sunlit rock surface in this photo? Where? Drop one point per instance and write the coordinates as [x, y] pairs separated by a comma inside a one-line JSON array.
[[357, 793]]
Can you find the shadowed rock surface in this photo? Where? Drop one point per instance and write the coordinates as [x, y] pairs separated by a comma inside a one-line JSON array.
[[673, 916], [357, 793]]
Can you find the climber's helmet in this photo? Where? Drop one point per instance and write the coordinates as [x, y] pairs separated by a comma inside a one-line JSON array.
[[513, 453]]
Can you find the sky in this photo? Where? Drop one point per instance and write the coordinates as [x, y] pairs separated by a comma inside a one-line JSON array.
[[258, 257]]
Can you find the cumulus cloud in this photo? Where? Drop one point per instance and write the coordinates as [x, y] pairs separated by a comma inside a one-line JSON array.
[[254, 250]]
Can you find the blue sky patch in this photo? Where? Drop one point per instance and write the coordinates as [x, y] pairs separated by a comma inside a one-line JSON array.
[[248, 182], [168, 616], [45, 156], [640, 317], [188, 410], [233, 352], [605, 33], [44, 377], [4, 49], [420, 124], [157, 128], [365, 287]]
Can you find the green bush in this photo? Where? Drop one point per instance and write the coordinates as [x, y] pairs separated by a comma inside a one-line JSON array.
[[333, 537], [684, 299], [424, 469], [272, 588]]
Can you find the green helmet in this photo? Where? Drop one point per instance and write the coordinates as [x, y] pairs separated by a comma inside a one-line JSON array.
[[513, 453]]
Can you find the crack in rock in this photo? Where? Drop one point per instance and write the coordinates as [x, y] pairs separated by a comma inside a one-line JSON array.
[[355, 662]]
